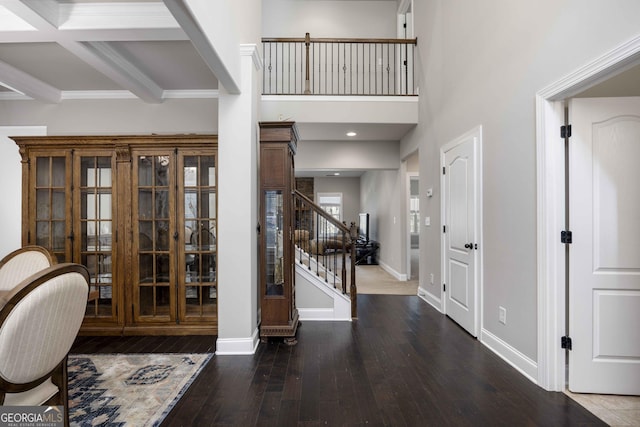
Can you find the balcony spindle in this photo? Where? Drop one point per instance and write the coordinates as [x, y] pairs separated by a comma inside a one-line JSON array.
[[331, 70]]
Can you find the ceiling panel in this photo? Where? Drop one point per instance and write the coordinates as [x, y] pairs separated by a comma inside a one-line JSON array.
[[174, 65], [55, 65]]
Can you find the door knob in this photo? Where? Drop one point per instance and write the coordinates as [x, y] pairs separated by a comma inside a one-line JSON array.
[[468, 245]]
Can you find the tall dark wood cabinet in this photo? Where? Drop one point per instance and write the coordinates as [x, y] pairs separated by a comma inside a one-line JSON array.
[[279, 315], [140, 213]]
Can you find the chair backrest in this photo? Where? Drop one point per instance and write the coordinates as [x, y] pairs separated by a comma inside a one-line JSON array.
[[38, 324], [22, 263]]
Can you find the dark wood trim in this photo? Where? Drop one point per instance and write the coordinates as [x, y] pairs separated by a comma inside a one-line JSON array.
[[413, 41]]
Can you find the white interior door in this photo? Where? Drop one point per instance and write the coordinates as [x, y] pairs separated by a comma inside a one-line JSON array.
[[460, 237], [604, 261]]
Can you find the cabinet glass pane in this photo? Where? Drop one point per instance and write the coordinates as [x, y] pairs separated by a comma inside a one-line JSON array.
[[154, 301], [58, 204], [145, 204], [96, 213], [145, 243], [58, 235], [274, 244], [57, 172], [145, 171], [51, 205], [42, 234], [156, 245], [43, 204], [200, 290], [43, 172], [145, 268]]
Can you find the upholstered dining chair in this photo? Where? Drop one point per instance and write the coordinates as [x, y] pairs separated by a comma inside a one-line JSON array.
[[22, 263], [39, 320]]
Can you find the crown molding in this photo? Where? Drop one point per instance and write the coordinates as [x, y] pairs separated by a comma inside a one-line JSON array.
[[251, 49]]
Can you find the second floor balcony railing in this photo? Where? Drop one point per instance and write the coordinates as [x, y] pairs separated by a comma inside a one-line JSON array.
[[326, 66]]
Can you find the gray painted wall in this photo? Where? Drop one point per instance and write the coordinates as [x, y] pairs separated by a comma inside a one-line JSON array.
[[482, 64], [292, 18]]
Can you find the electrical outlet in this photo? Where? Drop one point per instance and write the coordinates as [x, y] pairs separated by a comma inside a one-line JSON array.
[[502, 315], [427, 221], [431, 278]]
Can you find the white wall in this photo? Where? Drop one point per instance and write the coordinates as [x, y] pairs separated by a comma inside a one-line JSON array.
[[363, 19], [11, 186], [381, 196], [347, 155], [482, 64], [114, 117]]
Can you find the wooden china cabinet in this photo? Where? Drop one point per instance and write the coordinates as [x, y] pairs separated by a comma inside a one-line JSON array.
[[279, 316], [140, 213]]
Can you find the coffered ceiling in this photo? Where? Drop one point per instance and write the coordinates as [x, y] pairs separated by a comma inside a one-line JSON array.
[[68, 49]]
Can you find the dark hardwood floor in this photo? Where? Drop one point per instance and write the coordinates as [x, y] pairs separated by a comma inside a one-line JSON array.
[[400, 364]]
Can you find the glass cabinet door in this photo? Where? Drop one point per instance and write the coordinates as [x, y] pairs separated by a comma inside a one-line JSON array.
[[95, 230], [274, 250], [153, 205], [198, 292], [51, 226]]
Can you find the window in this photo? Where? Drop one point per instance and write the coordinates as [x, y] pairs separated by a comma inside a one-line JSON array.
[[332, 204]]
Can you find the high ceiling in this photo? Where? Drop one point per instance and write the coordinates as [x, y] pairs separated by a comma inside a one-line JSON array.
[[55, 50]]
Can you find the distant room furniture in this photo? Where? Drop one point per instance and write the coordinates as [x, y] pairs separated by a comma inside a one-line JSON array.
[[39, 320], [366, 249], [22, 263], [367, 252]]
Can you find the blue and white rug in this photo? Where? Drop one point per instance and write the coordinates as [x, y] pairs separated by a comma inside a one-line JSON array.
[[128, 389]]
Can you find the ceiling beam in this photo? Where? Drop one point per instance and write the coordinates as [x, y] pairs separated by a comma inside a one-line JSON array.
[[24, 83], [63, 23], [105, 58], [202, 44]]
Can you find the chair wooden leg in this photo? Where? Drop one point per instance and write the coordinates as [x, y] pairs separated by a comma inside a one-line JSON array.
[[60, 378]]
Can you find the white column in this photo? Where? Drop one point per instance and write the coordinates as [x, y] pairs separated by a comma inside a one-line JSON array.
[[238, 211]]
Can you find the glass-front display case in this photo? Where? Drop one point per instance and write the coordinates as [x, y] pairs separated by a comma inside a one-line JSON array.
[[279, 316], [140, 212]]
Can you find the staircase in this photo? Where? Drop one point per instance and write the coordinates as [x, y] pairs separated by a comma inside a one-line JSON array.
[[324, 251]]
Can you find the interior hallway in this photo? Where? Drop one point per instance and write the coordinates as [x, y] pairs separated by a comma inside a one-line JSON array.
[[400, 364]]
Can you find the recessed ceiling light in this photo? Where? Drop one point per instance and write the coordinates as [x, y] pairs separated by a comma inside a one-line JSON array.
[[351, 133], [336, 174]]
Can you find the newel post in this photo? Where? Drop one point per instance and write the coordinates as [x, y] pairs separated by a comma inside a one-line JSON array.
[[307, 43]]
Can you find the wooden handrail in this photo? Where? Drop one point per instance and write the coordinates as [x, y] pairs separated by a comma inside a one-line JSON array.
[[413, 41], [348, 246], [342, 227]]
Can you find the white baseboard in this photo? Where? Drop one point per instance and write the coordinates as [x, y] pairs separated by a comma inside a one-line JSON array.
[[399, 276], [323, 314], [430, 299], [237, 346], [512, 356]]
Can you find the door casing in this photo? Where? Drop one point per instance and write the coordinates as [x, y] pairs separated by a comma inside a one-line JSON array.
[[550, 168], [476, 135]]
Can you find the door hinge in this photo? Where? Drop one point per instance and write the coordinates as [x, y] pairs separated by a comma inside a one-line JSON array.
[[565, 131], [444, 172], [444, 228], [566, 236], [444, 287], [565, 342]]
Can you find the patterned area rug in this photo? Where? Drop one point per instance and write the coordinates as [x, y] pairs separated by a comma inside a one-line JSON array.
[[128, 389]]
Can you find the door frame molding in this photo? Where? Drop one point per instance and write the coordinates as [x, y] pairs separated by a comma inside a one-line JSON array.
[[550, 169], [476, 135], [411, 176]]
